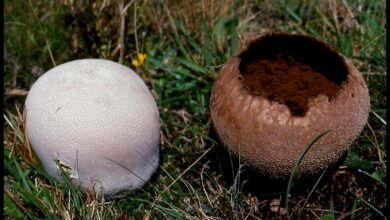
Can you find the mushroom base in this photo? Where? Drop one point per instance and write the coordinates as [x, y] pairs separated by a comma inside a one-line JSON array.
[[254, 180]]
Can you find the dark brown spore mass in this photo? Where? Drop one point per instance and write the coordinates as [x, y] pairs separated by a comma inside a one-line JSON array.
[[287, 81], [280, 71]]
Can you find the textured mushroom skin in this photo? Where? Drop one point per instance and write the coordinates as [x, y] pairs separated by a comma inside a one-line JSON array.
[[269, 138], [98, 118]]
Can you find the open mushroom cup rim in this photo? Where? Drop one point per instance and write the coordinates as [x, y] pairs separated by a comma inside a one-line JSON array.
[[265, 130], [305, 50]]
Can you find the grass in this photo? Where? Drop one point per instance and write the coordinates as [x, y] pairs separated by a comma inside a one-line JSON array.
[[186, 43], [295, 169]]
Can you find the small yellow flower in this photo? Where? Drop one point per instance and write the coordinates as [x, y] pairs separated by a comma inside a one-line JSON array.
[[135, 63], [141, 57], [140, 61]]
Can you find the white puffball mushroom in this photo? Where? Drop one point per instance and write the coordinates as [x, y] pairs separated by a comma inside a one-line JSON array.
[[97, 120]]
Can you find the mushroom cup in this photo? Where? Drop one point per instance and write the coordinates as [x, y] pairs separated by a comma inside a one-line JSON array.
[[278, 94]]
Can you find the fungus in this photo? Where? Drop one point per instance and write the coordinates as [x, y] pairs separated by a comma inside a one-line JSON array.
[[96, 120], [278, 94]]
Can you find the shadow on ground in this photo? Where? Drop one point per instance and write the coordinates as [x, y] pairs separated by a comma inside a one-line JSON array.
[[252, 181]]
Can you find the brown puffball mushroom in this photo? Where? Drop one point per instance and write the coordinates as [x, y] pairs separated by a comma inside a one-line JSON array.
[[273, 98]]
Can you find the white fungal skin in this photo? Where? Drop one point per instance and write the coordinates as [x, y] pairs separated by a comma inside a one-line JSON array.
[[96, 119]]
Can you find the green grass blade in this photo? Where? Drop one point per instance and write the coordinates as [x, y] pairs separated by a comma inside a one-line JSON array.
[[332, 209], [47, 198], [312, 31], [12, 122], [182, 48], [353, 211], [10, 208], [324, 19], [40, 170], [298, 20], [232, 25], [173, 211], [369, 18], [326, 217], [192, 66], [371, 206], [377, 176], [75, 194], [185, 34], [23, 176], [354, 161], [298, 162], [33, 200], [219, 32], [290, 12], [310, 193], [179, 72], [207, 45], [9, 168], [183, 74]]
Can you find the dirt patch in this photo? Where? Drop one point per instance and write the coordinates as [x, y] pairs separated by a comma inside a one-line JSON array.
[[287, 81]]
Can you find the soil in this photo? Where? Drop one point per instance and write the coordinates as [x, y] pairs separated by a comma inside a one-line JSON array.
[[287, 81]]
